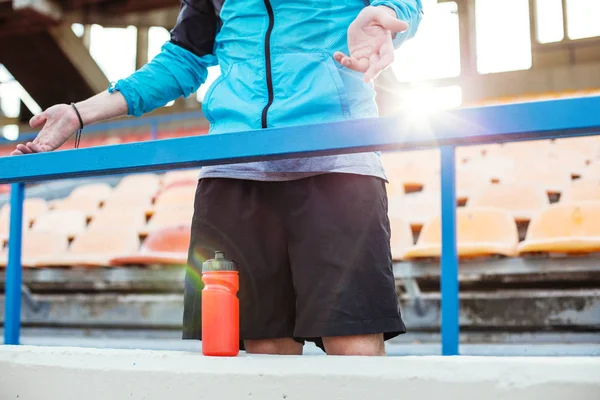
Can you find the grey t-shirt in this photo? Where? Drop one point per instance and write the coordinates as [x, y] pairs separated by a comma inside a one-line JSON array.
[[298, 168]]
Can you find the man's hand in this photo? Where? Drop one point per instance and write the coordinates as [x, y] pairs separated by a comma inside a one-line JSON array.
[[370, 41], [58, 123]]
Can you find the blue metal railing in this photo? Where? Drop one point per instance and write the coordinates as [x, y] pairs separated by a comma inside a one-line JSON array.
[[153, 122], [493, 124]]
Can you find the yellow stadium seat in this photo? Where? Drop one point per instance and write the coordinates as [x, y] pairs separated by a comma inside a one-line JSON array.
[[176, 197], [402, 237], [412, 168], [480, 232], [552, 178], [171, 216], [589, 146], [94, 248], [36, 245], [117, 218], [572, 228], [415, 208], [571, 161], [592, 171], [522, 200], [394, 188], [94, 192], [582, 190], [167, 246], [526, 148], [466, 153], [468, 180], [68, 222], [495, 166]]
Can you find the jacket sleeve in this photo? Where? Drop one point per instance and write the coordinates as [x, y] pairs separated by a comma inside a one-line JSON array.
[[181, 66], [407, 10]]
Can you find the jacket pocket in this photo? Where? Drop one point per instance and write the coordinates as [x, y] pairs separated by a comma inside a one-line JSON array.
[[339, 84], [308, 88], [206, 108]]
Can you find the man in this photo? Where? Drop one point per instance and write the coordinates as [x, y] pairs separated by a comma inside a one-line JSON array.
[[311, 236]]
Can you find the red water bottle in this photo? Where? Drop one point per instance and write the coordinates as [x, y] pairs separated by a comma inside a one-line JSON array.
[[220, 307]]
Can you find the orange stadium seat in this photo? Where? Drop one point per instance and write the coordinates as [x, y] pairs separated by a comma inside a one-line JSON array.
[[167, 246], [572, 228], [94, 192], [522, 200], [68, 222], [126, 201], [480, 232], [36, 245], [117, 218], [188, 175], [32, 208], [415, 208], [94, 248], [146, 184], [168, 216], [176, 197], [89, 207], [582, 190], [402, 237], [5, 229]]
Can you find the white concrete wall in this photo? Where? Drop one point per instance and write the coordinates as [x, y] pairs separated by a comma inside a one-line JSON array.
[[28, 373]]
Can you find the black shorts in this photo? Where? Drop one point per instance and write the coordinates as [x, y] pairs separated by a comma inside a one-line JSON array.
[[314, 256]]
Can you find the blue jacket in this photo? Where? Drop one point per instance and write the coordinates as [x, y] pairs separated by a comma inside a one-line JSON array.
[[277, 68]]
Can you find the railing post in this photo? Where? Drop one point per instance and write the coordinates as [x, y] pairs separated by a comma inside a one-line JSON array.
[[154, 130], [449, 263], [12, 312]]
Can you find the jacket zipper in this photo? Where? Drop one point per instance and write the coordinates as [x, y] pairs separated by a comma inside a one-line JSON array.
[[268, 62]]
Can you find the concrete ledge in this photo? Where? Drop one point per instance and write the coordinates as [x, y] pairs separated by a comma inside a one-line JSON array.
[[29, 373]]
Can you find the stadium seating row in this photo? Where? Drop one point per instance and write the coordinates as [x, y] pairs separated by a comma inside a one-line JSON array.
[[550, 164], [562, 228], [499, 185]]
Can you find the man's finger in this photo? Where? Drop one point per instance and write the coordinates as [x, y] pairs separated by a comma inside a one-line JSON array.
[[386, 56], [23, 149], [353, 63], [370, 73], [35, 148], [37, 121], [392, 24], [16, 153], [338, 56]]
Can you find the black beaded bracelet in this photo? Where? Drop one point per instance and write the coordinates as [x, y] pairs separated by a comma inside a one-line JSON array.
[[78, 134]]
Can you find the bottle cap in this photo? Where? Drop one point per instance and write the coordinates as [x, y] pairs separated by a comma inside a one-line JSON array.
[[219, 263]]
